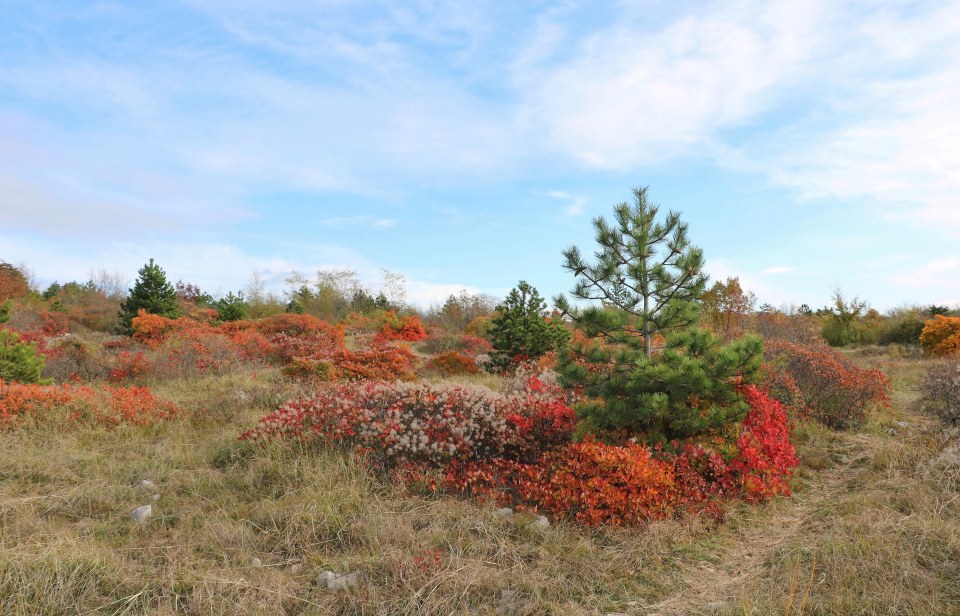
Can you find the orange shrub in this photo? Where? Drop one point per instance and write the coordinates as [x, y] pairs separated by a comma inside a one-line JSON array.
[[605, 484], [451, 363], [35, 405], [941, 336], [407, 328], [379, 362], [822, 383]]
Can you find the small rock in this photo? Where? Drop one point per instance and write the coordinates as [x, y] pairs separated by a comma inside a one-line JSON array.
[[903, 424], [505, 512], [146, 484], [541, 522], [142, 514], [343, 582], [296, 568], [256, 562], [155, 497], [892, 432], [507, 595], [324, 578]]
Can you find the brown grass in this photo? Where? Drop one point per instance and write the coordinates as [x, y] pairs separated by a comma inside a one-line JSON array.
[[873, 528]]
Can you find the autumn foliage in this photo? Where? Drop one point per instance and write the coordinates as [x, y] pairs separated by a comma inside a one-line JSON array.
[[407, 328], [451, 363], [941, 336], [515, 448], [823, 384], [37, 405]]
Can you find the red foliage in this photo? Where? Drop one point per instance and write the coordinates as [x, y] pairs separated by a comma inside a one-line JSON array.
[[514, 448], [407, 328], [822, 383], [451, 363], [474, 345], [130, 365], [404, 423], [379, 362], [604, 484], [26, 405], [765, 456]]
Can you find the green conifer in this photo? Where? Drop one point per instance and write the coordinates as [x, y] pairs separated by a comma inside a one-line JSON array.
[[152, 293], [648, 279], [19, 361], [521, 328]]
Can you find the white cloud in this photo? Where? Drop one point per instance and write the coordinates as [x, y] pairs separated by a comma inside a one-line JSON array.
[[937, 274], [781, 269], [575, 204], [365, 221], [634, 97]]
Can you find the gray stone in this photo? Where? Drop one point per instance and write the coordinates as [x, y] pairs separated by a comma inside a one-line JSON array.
[[296, 568], [343, 582], [505, 512], [148, 485], [903, 424], [324, 578], [155, 497], [541, 522], [142, 514], [256, 562]]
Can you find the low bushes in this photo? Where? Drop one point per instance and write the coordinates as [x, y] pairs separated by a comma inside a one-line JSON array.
[[941, 336], [822, 384], [407, 328], [941, 391], [515, 448], [24, 405], [406, 423], [451, 363], [18, 359]]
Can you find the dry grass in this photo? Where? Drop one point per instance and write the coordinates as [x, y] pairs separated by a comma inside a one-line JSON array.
[[874, 528]]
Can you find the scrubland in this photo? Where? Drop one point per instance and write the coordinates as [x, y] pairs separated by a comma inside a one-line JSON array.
[[872, 525]]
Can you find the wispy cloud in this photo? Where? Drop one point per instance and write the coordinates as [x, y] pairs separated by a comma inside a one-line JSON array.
[[362, 221], [780, 269], [633, 96], [575, 204]]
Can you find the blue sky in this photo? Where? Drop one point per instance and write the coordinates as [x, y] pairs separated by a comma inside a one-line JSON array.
[[809, 144]]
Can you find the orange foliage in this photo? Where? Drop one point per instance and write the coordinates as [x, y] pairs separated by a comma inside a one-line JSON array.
[[451, 363], [30, 405], [13, 283], [407, 328], [822, 383], [941, 336]]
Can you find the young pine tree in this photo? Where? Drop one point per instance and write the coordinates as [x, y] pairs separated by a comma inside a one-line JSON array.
[[231, 307], [152, 293], [19, 361], [521, 329], [649, 279]]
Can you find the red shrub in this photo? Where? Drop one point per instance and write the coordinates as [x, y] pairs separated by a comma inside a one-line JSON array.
[[822, 383], [379, 362], [27, 405], [130, 366], [765, 456], [407, 328], [451, 363], [515, 448], [296, 325], [402, 423], [596, 483], [604, 484]]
